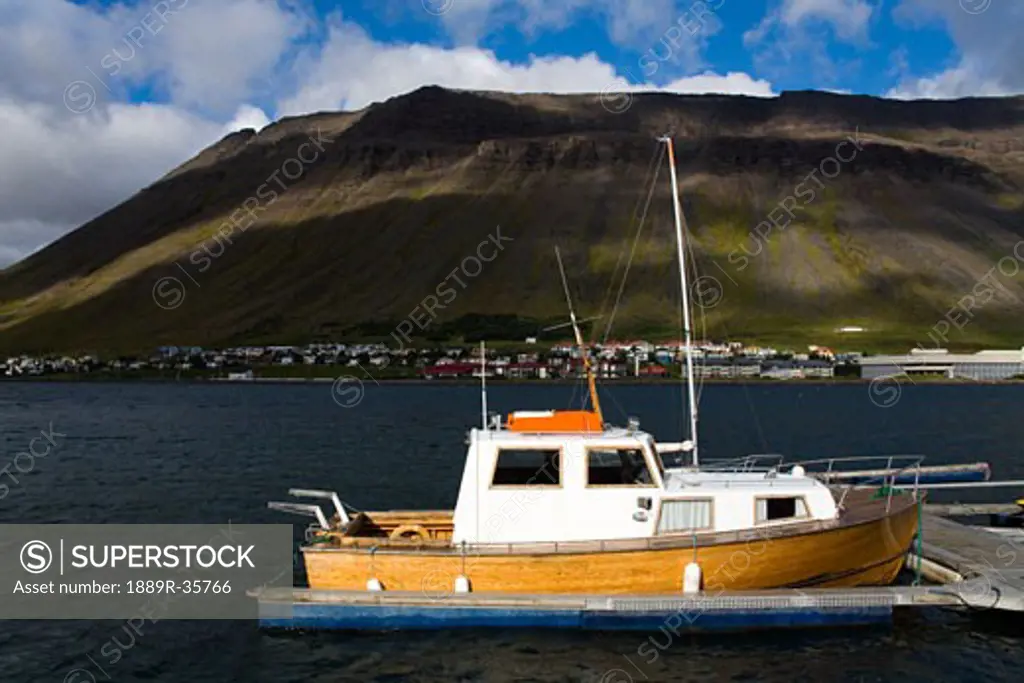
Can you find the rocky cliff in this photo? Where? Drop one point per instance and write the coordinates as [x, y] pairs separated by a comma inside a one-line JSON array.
[[808, 212]]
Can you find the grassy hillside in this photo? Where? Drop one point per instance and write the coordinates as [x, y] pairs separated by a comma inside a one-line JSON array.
[[400, 194]]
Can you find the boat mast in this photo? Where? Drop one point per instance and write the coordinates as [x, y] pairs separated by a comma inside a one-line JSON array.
[[483, 384], [591, 382], [683, 283]]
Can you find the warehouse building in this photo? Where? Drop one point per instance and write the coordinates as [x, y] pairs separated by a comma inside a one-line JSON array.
[[982, 366]]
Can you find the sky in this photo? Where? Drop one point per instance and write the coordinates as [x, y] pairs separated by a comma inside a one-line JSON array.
[[99, 98]]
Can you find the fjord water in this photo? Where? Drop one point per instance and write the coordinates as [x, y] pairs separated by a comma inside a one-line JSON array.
[[202, 453]]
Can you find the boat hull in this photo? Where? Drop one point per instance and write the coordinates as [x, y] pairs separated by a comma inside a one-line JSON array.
[[863, 552]]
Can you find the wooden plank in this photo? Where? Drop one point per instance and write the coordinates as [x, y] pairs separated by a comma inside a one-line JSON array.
[[992, 565], [970, 550], [965, 509]]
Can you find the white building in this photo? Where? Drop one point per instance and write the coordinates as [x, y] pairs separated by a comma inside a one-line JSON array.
[[983, 365]]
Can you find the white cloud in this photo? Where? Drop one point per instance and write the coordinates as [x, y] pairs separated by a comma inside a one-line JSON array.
[[210, 55], [989, 45], [20, 238], [351, 70], [216, 54], [58, 171], [634, 24], [964, 80], [465, 20], [848, 18], [733, 83], [795, 34], [247, 116], [59, 168]]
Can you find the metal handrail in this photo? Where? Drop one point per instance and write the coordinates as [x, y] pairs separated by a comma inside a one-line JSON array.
[[890, 475], [776, 462], [891, 468]]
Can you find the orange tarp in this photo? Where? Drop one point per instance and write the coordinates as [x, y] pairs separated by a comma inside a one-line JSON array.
[[561, 421]]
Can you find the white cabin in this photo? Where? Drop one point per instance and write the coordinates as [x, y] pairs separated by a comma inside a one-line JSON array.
[[521, 487]]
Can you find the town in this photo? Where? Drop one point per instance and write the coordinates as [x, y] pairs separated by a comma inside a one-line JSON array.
[[519, 361]]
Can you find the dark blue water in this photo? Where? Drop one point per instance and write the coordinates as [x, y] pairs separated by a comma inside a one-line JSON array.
[[193, 453]]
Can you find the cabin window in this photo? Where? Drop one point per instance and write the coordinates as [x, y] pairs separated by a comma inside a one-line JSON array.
[[778, 508], [527, 467], [617, 467], [685, 515]]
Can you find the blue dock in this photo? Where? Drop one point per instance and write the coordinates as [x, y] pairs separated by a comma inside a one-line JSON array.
[[302, 608]]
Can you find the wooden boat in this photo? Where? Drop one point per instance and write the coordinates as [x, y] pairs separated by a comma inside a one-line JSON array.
[[560, 502], [550, 512]]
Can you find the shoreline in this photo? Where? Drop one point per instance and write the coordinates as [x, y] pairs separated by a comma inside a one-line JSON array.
[[417, 381]]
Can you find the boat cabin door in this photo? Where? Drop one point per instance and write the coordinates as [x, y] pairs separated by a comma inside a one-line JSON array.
[[618, 491]]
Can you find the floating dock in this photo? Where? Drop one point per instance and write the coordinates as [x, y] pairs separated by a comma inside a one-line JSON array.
[[987, 567], [389, 610], [973, 569]]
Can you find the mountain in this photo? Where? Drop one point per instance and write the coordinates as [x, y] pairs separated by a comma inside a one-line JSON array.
[[893, 216]]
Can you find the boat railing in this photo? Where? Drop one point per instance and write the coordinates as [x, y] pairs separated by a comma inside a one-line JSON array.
[[341, 509], [835, 467], [860, 471], [757, 462], [884, 471]]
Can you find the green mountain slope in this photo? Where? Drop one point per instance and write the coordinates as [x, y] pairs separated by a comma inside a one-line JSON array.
[[388, 201]]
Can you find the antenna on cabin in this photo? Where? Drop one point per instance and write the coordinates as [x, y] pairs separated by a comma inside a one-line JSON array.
[[591, 382], [483, 383]]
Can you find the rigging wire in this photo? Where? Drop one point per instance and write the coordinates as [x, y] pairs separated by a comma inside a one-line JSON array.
[[636, 241], [652, 165], [610, 396], [692, 258], [750, 404]]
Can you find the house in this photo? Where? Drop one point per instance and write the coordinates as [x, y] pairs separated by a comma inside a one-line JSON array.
[[611, 369], [450, 370], [781, 369], [653, 371], [746, 367], [526, 370], [712, 366], [817, 368]]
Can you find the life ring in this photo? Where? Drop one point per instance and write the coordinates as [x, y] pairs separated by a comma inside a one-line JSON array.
[[409, 532]]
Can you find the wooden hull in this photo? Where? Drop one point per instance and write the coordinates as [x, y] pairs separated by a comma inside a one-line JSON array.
[[864, 549]]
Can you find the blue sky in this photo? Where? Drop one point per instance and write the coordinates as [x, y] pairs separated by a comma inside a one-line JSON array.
[[128, 89], [862, 65], [876, 47]]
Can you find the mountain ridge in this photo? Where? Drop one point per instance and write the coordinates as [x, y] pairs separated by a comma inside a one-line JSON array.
[[931, 201]]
